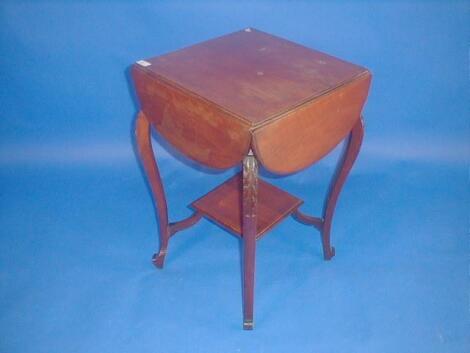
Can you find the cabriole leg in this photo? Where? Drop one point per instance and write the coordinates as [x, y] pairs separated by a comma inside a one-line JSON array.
[[144, 145], [353, 145], [249, 208]]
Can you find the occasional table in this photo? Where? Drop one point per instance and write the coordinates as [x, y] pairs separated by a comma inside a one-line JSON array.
[[253, 99]]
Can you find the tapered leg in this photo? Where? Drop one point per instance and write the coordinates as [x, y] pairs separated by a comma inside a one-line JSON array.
[[249, 208], [353, 145], [144, 144]]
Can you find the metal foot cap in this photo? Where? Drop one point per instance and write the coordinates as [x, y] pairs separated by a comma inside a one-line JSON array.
[[248, 324]]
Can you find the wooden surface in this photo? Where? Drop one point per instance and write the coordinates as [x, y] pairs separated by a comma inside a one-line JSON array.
[[200, 130], [249, 229], [310, 132], [252, 74], [345, 163], [224, 205], [215, 100], [144, 148], [252, 97]]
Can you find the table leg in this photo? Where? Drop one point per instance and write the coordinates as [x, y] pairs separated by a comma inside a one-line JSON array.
[[353, 145], [249, 208], [144, 145]]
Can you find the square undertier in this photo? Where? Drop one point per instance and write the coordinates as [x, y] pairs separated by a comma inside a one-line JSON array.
[[223, 205]]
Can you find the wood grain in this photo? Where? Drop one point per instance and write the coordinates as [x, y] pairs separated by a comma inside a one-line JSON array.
[[303, 136], [351, 151], [223, 205], [252, 97], [249, 227], [252, 74], [197, 128], [345, 163], [144, 147], [215, 100]]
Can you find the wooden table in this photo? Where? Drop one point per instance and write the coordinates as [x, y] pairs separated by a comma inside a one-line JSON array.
[[253, 99]]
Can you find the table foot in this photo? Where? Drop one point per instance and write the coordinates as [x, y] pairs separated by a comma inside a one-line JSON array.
[[248, 324], [329, 253], [159, 259]]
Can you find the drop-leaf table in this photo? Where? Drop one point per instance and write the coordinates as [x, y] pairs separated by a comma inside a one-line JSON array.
[[251, 99]]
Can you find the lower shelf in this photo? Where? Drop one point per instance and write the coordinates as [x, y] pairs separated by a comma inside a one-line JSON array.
[[223, 205]]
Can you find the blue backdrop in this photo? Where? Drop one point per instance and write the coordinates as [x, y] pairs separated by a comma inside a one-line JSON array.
[[77, 223]]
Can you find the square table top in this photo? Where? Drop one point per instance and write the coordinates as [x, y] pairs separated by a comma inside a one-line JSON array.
[[251, 74], [249, 90]]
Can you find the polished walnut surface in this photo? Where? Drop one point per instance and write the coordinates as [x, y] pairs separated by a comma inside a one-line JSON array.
[[252, 74]]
